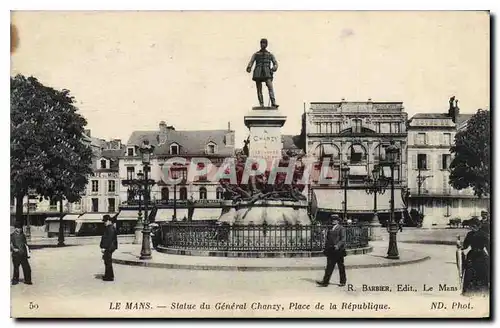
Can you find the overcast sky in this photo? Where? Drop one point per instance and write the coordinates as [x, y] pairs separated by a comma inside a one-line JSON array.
[[130, 70]]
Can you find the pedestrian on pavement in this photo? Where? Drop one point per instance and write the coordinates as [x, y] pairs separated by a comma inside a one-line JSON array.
[[109, 243], [334, 252], [476, 272], [20, 254]]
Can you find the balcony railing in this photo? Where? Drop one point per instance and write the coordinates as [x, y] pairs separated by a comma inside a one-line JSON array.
[[255, 238], [178, 202], [440, 191]]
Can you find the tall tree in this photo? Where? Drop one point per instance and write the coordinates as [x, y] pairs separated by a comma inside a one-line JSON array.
[[47, 152], [471, 163]]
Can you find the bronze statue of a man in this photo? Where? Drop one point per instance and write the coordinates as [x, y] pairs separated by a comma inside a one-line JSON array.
[[263, 72]]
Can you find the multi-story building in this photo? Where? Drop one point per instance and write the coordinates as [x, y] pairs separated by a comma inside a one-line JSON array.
[[430, 137], [102, 193], [198, 199], [356, 133]]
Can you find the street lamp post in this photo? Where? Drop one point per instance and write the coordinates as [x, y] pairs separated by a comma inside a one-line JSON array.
[[345, 179], [375, 185], [31, 194], [146, 151], [174, 176], [392, 153], [138, 227], [420, 181]]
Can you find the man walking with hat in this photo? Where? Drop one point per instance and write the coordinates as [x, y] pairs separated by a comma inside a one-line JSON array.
[[334, 252], [109, 243]]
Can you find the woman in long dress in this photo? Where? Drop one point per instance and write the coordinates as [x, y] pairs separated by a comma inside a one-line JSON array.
[[476, 266]]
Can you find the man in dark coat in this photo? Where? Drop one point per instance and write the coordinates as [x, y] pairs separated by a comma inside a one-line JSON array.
[[263, 71], [19, 250], [334, 252], [109, 243]]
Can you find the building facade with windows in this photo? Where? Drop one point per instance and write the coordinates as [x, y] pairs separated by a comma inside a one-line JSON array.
[[430, 137], [197, 200], [356, 133]]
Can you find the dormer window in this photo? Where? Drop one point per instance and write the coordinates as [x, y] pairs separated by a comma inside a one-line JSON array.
[[103, 163], [211, 148], [130, 151], [174, 149]]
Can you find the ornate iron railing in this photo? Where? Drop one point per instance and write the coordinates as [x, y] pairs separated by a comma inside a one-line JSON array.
[[261, 238]]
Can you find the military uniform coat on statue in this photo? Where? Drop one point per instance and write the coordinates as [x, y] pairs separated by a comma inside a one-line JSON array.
[[262, 71]]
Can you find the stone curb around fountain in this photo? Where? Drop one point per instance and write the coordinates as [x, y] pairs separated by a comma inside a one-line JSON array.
[[235, 254], [129, 255]]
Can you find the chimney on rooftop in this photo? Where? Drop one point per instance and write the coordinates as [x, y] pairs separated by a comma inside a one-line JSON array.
[[163, 132], [229, 126]]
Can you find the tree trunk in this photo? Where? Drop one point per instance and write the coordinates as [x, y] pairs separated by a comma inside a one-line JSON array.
[[19, 209], [60, 240]]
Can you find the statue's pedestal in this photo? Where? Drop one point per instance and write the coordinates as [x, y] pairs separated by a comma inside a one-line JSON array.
[[265, 132]]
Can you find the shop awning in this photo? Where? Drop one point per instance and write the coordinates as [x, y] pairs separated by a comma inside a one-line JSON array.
[[206, 214], [164, 214], [128, 215], [358, 170], [358, 201], [93, 217], [67, 217], [329, 149], [357, 149]]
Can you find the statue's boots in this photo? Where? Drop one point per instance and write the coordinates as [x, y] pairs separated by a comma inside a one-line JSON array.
[[273, 100], [261, 99]]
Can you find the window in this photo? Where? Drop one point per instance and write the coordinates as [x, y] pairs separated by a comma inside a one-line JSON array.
[[95, 186], [130, 172], [164, 194], [219, 193], [422, 161], [421, 139], [445, 161], [111, 185], [394, 127], [336, 127], [447, 138], [203, 193], [103, 163], [53, 202], [318, 127], [357, 154], [377, 127], [356, 126], [130, 151], [211, 148], [183, 193], [174, 149], [95, 205], [111, 205]]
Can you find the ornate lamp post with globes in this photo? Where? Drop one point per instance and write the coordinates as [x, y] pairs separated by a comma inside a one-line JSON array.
[[345, 180], [146, 150], [375, 184], [392, 155]]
